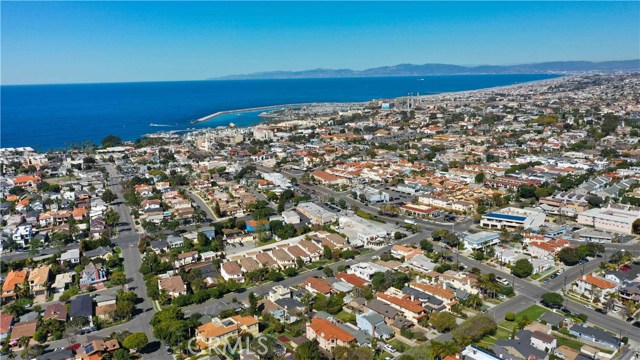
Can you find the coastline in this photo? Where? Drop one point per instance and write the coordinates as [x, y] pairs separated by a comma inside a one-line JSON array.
[[270, 107], [37, 107]]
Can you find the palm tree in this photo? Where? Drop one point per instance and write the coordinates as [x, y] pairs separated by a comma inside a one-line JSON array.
[[22, 290], [473, 301]]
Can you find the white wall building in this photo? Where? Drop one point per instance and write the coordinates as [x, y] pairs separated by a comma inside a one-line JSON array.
[[612, 218], [512, 218]]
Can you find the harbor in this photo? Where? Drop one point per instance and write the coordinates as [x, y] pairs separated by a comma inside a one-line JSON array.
[[237, 111]]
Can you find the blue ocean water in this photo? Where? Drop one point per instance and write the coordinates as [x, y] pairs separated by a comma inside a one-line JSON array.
[[52, 116]]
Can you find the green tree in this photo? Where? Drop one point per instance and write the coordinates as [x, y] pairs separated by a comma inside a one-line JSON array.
[[327, 252], [552, 299], [441, 350], [135, 341], [328, 272], [111, 140], [118, 278], [426, 245], [108, 196], [443, 321], [308, 350], [34, 246], [474, 329], [522, 268], [216, 210], [569, 256], [479, 178], [253, 304]]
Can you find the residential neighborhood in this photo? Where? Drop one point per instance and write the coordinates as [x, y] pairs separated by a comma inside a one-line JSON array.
[[493, 224]]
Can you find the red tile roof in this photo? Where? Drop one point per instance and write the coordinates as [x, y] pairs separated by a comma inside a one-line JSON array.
[[328, 330], [413, 306], [352, 279], [320, 285], [601, 283]]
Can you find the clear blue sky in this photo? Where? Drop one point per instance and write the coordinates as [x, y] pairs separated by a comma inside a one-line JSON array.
[[67, 42]]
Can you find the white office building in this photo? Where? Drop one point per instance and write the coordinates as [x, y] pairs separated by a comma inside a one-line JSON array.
[[513, 218], [616, 218]]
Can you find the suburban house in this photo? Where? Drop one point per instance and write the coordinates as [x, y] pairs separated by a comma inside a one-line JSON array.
[[595, 336], [72, 256], [328, 334], [218, 330], [15, 278], [173, 286], [594, 287], [93, 274], [374, 324], [230, 270], [99, 252], [56, 311], [38, 280], [316, 285], [24, 329], [411, 309], [543, 341], [6, 324], [81, 306]]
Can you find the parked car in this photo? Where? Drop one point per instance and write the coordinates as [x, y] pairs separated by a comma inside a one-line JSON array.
[[389, 348]]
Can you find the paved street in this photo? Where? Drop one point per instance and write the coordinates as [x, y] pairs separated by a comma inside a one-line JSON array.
[[527, 292], [128, 241]]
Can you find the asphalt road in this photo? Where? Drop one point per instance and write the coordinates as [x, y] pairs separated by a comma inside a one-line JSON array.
[[527, 291]]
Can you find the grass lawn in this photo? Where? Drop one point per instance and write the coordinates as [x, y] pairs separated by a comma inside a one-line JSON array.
[[315, 264], [502, 333], [532, 313], [384, 355], [574, 344], [345, 317], [486, 341]]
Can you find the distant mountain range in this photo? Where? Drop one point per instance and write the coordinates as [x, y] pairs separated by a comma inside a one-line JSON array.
[[561, 67]]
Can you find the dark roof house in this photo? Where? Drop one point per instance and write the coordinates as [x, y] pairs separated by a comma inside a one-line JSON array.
[[81, 306]]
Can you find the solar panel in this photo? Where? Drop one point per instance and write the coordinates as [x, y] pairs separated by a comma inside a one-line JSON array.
[[506, 217]]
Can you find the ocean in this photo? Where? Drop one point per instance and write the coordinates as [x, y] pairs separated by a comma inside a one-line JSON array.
[[53, 116]]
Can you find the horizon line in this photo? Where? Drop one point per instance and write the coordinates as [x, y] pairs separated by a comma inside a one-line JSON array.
[[222, 77]]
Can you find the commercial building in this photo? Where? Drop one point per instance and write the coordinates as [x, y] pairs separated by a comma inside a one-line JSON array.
[[513, 218], [372, 195], [362, 232], [481, 240], [616, 218], [315, 213]]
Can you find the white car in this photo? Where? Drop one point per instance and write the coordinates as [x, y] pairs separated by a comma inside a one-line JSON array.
[[389, 348]]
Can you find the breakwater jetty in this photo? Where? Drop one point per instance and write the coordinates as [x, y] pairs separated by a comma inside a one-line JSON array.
[[270, 107]]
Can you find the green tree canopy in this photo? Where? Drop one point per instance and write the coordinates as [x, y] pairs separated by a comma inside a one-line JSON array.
[[135, 341], [522, 268], [552, 299], [111, 140]]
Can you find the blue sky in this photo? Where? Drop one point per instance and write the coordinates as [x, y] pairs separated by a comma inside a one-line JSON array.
[[69, 42]]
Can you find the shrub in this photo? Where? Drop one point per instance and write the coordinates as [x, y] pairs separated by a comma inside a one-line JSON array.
[[510, 316]]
